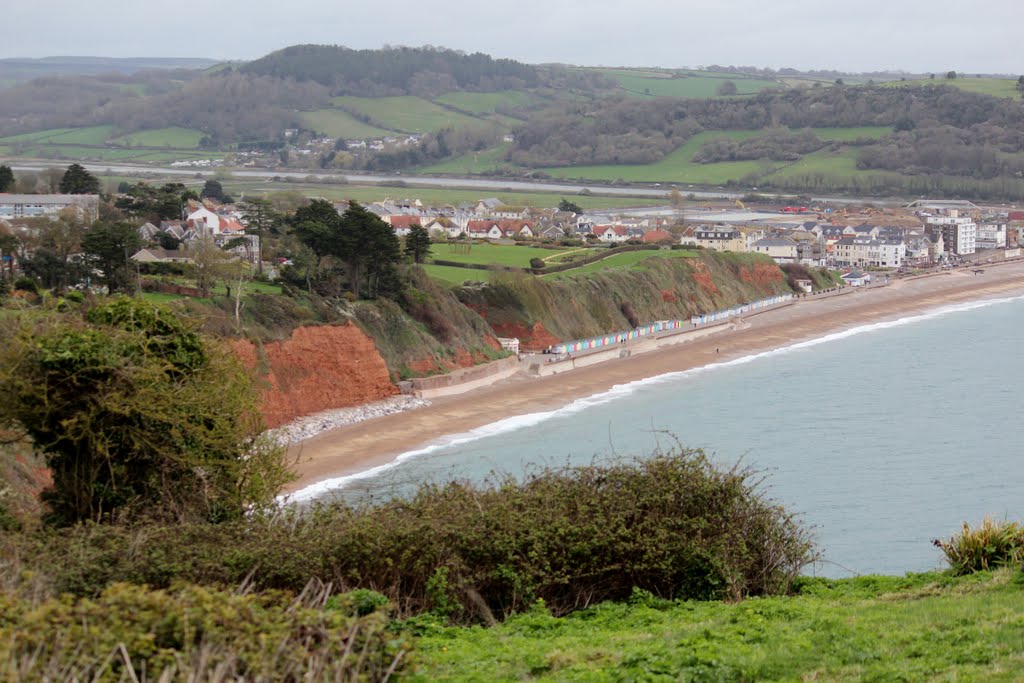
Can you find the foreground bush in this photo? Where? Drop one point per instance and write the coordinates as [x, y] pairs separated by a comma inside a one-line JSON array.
[[989, 545], [131, 633], [673, 525]]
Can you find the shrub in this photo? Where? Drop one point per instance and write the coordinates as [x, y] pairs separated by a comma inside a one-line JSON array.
[[26, 284], [194, 633], [989, 545], [673, 525]]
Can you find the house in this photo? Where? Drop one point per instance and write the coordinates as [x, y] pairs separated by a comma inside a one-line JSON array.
[[155, 255], [870, 251], [780, 249], [991, 236], [485, 207], [484, 229], [804, 285], [37, 205], [552, 232], [658, 235], [512, 228], [611, 233], [446, 225], [402, 225], [148, 232], [856, 278], [204, 220], [718, 237]]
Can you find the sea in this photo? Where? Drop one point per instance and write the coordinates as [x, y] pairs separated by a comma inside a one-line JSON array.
[[881, 437]]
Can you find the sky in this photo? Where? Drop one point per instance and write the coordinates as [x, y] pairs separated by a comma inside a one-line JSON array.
[[867, 35]]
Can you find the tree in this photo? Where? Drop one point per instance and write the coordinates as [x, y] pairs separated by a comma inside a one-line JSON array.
[[417, 244], [566, 205], [260, 218], [155, 204], [212, 189], [1020, 84], [138, 417], [840, 81], [108, 248], [950, 75], [209, 264], [728, 88], [6, 179], [77, 180]]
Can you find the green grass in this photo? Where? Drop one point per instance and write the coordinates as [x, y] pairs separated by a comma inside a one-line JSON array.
[[161, 298], [492, 254], [630, 260], [475, 162], [407, 114], [484, 102], [695, 84], [453, 276], [677, 167], [340, 124], [94, 135], [997, 87], [919, 628], [175, 138]]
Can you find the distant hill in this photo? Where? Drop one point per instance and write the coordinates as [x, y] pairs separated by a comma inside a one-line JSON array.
[[394, 71], [19, 70]]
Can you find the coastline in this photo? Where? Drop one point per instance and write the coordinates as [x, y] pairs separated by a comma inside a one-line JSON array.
[[358, 448]]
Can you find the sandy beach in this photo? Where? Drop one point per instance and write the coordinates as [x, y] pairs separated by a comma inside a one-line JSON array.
[[358, 447]]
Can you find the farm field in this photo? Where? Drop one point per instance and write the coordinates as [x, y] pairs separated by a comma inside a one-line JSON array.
[[475, 162], [175, 138], [94, 135], [487, 253], [997, 87], [407, 114], [484, 102], [695, 84], [340, 124], [630, 260], [677, 167]]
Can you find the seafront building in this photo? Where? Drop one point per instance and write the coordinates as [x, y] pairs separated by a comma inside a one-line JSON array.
[[48, 205], [960, 233]]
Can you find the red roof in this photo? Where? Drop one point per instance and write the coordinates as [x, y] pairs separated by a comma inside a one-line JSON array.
[[657, 236], [480, 226], [617, 229], [231, 225], [404, 221]]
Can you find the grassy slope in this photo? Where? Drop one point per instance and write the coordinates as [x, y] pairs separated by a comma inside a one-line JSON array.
[[630, 260], [695, 84], [176, 138], [998, 87], [407, 114], [492, 254], [922, 627], [484, 102], [340, 124], [475, 162]]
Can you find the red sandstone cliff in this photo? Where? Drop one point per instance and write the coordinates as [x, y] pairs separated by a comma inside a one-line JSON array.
[[318, 368]]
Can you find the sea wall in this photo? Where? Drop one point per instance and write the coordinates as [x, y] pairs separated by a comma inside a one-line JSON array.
[[315, 369], [466, 379]]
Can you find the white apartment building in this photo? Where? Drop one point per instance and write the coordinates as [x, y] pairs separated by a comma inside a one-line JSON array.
[[991, 236], [49, 205], [960, 233], [868, 251]]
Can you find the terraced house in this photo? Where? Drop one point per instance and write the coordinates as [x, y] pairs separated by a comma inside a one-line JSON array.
[[883, 252]]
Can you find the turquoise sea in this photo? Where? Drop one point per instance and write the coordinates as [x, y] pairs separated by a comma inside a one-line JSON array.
[[881, 437]]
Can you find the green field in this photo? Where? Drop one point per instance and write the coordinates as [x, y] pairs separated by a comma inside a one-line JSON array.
[[924, 627], [340, 124], [475, 162], [695, 84], [496, 254], [94, 135], [484, 102], [997, 87], [453, 276], [407, 114], [677, 167], [629, 260], [174, 138]]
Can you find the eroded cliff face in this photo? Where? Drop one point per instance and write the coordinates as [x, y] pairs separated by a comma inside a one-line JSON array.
[[317, 368]]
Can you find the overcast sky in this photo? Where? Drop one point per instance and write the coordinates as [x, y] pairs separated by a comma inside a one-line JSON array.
[[865, 35]]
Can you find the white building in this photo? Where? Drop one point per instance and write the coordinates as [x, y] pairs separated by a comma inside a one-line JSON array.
[[991, 236], [781, 249], [39, 205], [869, 251], [960, 233]]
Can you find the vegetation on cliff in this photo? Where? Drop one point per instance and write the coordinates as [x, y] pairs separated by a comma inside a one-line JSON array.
[[591, 304]]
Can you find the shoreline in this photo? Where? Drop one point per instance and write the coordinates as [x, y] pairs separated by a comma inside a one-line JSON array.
[[368, 445]]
